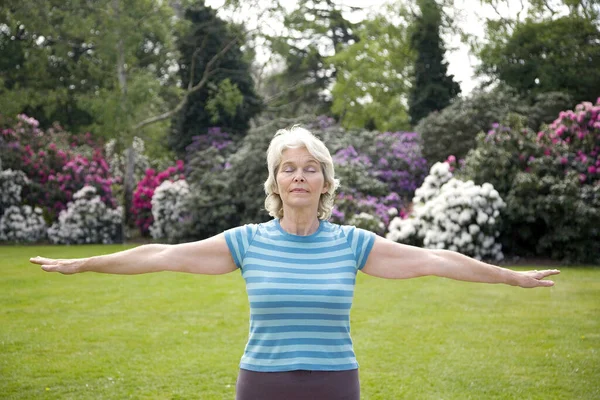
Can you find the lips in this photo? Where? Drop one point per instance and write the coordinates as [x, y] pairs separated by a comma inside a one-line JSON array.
[[299, 191]]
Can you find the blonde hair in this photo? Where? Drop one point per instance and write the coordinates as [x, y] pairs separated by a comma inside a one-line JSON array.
[[293, 138]]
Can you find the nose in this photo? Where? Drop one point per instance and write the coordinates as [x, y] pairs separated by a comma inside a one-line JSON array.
[[299, 177]]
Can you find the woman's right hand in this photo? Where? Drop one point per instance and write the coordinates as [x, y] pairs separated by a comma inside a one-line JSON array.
[[64, 266]]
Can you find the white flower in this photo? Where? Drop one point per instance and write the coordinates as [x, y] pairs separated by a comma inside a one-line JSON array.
[[169, 208], [86, 220]]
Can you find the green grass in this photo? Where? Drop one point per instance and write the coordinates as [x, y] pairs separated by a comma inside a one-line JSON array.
[[178, 336]]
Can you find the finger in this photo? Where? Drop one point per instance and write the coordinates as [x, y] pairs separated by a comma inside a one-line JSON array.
[[50, 268], [41, 260], [544, 283], [549, 272]]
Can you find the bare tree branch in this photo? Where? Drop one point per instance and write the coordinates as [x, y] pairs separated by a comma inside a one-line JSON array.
[[552, 11], [208, 72], [506, 21]]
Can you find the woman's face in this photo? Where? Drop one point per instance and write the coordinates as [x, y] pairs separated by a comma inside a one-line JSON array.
[[300, 180]]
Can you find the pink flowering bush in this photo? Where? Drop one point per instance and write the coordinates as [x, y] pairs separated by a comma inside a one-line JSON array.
[[81, 171], [550, 181], [57, 162], [573, 141], [142, 196]]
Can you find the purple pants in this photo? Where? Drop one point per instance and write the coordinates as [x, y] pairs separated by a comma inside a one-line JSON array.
[[298, 385]]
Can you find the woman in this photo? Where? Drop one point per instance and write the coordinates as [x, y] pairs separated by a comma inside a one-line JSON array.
[[300, 272]]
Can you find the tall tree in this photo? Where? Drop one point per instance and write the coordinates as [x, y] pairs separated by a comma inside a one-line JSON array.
[[552, 55], [316, 30], [548, 45], [371, 85], [433, 89], [60, 60], [227, 97]]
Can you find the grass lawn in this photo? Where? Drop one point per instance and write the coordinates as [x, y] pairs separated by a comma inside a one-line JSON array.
[[178, 336]]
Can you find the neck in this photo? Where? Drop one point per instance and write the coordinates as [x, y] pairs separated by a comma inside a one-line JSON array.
[[299, 223]]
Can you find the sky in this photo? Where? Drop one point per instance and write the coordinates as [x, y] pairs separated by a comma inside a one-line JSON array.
[[461, 63]]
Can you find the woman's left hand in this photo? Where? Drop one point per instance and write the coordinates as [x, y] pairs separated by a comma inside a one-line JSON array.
[[535, 278]]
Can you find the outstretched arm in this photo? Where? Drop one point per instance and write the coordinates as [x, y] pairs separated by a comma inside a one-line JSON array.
[[210, 256], [398, 261]]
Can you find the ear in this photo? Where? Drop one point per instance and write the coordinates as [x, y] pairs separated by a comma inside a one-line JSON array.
[[325, 188]]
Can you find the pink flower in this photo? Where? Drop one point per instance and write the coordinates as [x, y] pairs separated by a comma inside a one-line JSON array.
[[592, 170], [563, 160]]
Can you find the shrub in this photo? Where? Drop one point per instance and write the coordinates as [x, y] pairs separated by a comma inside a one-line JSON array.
[[452, 131], [169, 210], [22, 224], [43, 155], [87, 220], [81, 171], [455, 215], [11, 186], [549, 181], [142, 196], [117, 161], [229, 192]]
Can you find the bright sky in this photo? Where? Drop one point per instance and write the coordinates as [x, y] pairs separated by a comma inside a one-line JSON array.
[[460, 62]]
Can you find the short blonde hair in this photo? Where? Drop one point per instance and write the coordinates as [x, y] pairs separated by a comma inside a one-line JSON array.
[[293, 138]]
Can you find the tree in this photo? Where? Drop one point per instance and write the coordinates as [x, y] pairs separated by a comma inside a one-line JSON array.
[[58, 70], [548, 45], [433, 89], [371, 83], [316, 30], [226, 97], [551, 55]]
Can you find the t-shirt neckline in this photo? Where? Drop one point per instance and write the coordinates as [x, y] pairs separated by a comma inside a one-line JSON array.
[[285, 233]]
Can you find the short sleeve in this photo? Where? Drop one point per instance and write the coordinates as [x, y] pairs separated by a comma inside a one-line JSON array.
[[238, 240], [361, 242]]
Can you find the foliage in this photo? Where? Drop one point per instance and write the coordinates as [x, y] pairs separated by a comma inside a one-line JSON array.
[[365, 211], [315, 30], [11, 187], [57, 163], [377, 177], [549, 181], [169, 204], [57, 68], [80, 171], [456, 215], [433, 89], [547, 55], [452, 131], [228, 98], [87, 220], [118, 161], [142, 196], [226, 180], [373, 74], [22, 224]]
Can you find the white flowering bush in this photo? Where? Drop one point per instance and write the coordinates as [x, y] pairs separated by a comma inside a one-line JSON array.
[[118, 162], [87, 219], [367, 221], [22, 224], [11, 186], [456, 215], [439, 174], [170, 210]]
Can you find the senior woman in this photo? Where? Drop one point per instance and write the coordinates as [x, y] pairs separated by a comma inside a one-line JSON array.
[[300, 272]]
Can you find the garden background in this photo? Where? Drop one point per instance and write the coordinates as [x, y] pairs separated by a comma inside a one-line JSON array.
[[129, 122]]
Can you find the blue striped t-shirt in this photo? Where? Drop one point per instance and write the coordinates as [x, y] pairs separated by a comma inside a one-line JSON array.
[[300, 290]]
